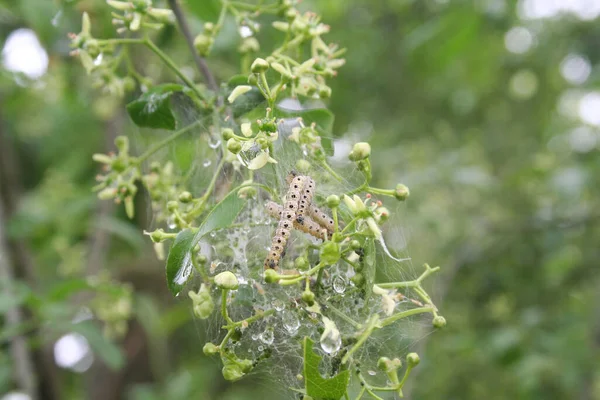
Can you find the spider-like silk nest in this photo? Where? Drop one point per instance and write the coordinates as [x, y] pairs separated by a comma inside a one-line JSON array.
[[276, 339]]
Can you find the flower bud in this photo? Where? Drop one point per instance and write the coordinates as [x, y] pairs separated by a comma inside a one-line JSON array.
[[234, 146], [401, 192], [281, 26], [358, 280], [413, 359], [355, 245], [227, 133], [238, 91], [172, 205], [303, 165], [122, 143], [185, 197], [102, 158], [129, 207], [439, 321], [383, 214], [209, 27], [227, 280], [107, 193], [308, 297], [202, 302], [246, 365], [157, 236], [384, 364], [324, 92], [360, 151], [330, 253], [210, 349], [301, 263], [232, 372], [333, 201], [259, 65], [246, 128], [271, 276], [203, 44], [285, 74]]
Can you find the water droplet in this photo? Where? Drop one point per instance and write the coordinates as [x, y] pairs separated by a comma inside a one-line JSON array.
[[331, 342], [261, 348], [278, 304], [255, 336], [206, 163], [215, 144], [290, 322], [267, 337], [372, 373], [213, 234], [339, 284], [171, 223]]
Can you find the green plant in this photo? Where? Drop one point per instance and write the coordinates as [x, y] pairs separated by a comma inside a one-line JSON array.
[[330, 292]]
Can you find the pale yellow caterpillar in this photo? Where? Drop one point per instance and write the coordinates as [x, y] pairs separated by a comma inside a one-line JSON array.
[[313, 211], [286, 220], [309, 226]]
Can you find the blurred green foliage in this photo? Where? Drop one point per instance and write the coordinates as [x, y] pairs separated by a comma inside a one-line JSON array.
[[504, 174]]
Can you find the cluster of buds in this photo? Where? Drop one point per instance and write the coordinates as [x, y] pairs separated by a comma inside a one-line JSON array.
[[163, 186], [252, 147], [113, 305], [372, 214], [204, 41], [121, 173], [137, 14], [308, 138], [308, 78], [98, 61]]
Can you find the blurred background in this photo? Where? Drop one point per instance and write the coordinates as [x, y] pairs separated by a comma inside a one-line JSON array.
[[489, 110]]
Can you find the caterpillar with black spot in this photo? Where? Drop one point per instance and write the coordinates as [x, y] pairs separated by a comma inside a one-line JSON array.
[[313, 211], [309, 226], [286, 221]]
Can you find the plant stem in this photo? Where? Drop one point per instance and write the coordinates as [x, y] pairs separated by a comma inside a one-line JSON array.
[[390, 320], [408, 284], [167, 60], [344, 317], [153, 149], [370, 326], [211, 82], [331, 171], [224, 306]]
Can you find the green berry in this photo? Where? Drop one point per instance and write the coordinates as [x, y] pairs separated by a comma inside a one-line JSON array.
[[360, 151], [401, 192], [333, 201]]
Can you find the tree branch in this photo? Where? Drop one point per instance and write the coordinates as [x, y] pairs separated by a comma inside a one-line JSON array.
[[211, 82]]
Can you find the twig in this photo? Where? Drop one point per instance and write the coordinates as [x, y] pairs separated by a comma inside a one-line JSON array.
[[211, 82], [24, 372]]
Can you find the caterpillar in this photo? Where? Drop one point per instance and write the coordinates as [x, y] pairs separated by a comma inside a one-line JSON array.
[[313, 211], [309, 226], [286, 221]]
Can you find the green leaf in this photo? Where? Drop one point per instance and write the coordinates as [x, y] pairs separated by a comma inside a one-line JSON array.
[[247, 101], [369, 267], [179, 261], [179, 264], [153, 108], [205, 10], [105, 349], [323, 120], [317, 386], [12, 294]]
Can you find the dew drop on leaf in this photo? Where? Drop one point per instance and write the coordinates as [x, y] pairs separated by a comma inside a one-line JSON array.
[[290, 322], [339, 284], [206, 163], [372, 373], [267, 337], [331, 343], [278, 304]]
